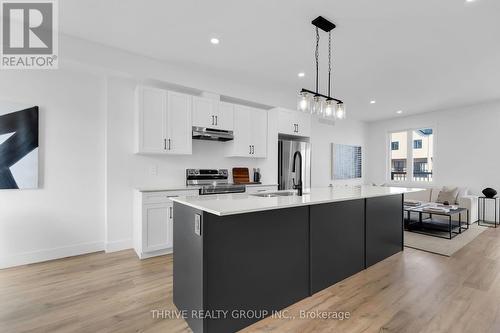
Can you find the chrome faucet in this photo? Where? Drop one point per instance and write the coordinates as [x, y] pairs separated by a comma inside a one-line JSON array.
[[297, 186]]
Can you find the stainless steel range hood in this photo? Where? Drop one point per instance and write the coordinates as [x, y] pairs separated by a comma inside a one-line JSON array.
[[203, 133]]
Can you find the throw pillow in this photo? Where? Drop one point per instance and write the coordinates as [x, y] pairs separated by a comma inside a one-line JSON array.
[[448, 194], [462, 192]]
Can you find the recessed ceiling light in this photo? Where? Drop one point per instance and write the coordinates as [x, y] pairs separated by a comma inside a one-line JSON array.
[[301, 74], [399, 111], [214, 40], [470, 0], [373, 102]]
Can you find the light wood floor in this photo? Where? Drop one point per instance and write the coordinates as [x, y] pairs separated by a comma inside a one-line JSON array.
[[412, 291]]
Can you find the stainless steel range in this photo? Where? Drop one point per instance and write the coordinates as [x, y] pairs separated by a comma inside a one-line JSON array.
[[212, 181]]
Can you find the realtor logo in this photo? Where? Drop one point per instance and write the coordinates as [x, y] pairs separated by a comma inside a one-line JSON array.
[[29, 34]]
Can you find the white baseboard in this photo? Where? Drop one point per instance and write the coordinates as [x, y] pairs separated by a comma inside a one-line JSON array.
[[120, 245], [154, 254], [50, 254]]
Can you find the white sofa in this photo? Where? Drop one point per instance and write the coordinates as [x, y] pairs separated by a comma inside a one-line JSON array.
[[464, 199]]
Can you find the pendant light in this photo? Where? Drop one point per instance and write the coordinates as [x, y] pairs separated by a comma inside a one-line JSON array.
[[313, 102]]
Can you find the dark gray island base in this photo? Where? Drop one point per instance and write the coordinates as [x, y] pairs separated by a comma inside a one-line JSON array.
[[243, 266]]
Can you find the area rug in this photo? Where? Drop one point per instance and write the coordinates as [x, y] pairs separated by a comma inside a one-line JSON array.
[[445, 247]]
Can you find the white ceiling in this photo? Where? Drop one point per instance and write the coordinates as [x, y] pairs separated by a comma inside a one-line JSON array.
[[414, 55]]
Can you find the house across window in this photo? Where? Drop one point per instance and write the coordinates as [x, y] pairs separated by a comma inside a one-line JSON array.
[[411, 155]]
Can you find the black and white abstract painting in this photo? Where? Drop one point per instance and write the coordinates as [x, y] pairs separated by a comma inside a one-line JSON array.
[[346, 161], [18, 146]]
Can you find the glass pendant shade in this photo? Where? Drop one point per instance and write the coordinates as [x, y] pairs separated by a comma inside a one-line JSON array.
[[303, 102], [340, 112], [316, 105], [329, 110]]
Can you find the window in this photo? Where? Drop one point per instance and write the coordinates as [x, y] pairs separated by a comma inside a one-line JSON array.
[[423, 154], [398, 156], [413, 156]]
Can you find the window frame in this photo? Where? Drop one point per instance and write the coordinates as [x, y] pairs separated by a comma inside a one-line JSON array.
[[394, 144], [409, 157]]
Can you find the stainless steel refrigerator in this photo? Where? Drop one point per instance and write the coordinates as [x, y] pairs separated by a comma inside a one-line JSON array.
[[286, 150]]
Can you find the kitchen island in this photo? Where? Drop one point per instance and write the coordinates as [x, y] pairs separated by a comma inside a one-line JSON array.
[[240, 257]]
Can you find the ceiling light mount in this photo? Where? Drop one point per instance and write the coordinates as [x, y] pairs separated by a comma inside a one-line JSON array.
[[323, 24], [313, 101]]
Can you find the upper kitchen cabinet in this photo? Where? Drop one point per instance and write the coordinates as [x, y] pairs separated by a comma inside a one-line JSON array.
[[250, 133], [211, 113], [164, 122], [293, 122]]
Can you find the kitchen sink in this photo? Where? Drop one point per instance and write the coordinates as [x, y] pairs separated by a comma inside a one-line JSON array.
[[274, 194]]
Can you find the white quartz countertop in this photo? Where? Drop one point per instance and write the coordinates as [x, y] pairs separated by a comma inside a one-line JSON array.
[[167, 188], [229, 204], [184, 187]]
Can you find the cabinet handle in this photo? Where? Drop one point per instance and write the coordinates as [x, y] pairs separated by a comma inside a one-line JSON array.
[[169, 146], [216, 120], [213, 120], [165, 144], [250, 147], [171, 212]]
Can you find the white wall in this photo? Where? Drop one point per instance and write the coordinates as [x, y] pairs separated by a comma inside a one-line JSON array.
[[348, 132], [466, 145], [65, 216]]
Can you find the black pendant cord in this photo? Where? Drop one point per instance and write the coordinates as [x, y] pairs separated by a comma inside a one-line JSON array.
[[317, 60], [329, 61]]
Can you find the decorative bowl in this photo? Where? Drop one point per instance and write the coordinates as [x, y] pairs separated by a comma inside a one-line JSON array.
[[489, 192]]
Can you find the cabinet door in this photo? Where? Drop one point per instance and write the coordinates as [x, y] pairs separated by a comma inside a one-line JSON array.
[[205, 112], [151, 132], [384, 227], [337, 242], [179, 134], [157, 227], [286, 123], [225, 116], [294, 123], [258, 133], [303, 121], [241, 146]]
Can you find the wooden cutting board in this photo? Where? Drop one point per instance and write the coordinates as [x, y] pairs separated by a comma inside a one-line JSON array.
[[241, 176]]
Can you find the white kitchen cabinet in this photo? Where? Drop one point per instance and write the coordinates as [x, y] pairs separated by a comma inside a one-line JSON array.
[[179, 134], [226, 116], [154, 221], [157, 227], [163, 122], [250, 133], [211, 113], [292, 122]]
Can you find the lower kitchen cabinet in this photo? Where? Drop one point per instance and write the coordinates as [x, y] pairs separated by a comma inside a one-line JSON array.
[[337, 234], [384, 227], [153, 222]]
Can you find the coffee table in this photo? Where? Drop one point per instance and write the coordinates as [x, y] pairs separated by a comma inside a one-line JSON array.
[[434, 227]]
